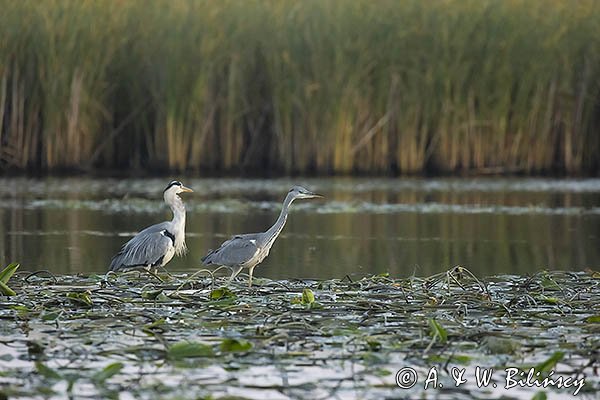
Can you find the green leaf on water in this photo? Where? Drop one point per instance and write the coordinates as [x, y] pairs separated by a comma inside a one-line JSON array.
[[461, 359], [185, 349], [550, 363], [374, 345], [35, 349], [381, 372], [47, 372], [5, 290], [235, 345], [80, 297], [549, 300], [107, 372], [222, 293], [595, 319], [438, 330], [308, 296], [8, 272], [539, 396], [151, 294], [22, 311], [153, 325], [50, 316], [549, 283]]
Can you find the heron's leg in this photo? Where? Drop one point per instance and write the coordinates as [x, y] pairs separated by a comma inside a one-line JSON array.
[[235, 271], [250, 278]]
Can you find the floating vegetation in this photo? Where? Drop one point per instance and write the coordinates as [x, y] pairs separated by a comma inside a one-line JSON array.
[[187, 337], [5, 275]]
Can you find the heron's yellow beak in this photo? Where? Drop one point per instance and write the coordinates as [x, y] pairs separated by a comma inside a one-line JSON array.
[[186, 189], [317, 195]]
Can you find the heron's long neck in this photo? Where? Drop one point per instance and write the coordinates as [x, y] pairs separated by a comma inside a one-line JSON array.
[[275, 230], [178, 223]]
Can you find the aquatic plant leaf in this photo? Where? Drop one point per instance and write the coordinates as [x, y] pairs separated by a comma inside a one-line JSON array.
[[185, 349], [151, 294], [374, 345], [5, 290], [235, 345], [35, 348], [550, 363], [22, 311], [308, 296], [8, 272], [222, 293], [595, 319], [381, 372], [539, 396], [438, 330], [107, 372], [156, 324], [549, 283], [549, 300], [80, 297], [50, 316], [47, 372], [461, 359]]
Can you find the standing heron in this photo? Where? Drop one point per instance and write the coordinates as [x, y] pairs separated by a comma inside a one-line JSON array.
[[157, 244], [248, 250]]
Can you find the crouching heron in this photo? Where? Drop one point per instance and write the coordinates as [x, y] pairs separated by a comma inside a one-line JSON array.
[[248, 250], [157, 244]]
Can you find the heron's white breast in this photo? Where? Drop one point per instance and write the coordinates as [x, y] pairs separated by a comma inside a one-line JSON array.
[[168, 255]]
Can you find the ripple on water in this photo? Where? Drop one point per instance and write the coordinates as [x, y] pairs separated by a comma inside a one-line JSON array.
[[138, 205]]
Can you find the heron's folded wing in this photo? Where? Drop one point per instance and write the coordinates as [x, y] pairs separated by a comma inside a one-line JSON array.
[[235, 251], [146, 248]]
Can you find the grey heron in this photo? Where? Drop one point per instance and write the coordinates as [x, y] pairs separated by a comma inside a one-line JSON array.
[[250, 249], [154, 246]]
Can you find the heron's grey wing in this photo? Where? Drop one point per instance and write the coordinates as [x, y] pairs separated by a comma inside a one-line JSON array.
[[235, 251], [147, 248]]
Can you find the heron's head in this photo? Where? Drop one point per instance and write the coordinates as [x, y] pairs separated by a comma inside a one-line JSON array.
[[299, 192], [174, 188]]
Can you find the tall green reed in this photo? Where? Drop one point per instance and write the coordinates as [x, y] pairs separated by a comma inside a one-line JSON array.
[[314, 86]]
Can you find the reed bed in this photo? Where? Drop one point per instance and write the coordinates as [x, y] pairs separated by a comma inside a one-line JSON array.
[[301, 87]]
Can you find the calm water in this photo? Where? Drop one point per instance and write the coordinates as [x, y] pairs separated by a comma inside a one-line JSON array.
[[400, 226]]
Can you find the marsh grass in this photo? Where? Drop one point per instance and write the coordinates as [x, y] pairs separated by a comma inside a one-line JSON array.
[[314, 86]]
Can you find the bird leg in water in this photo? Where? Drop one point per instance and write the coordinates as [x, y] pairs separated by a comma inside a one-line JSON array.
[[234, 272], [153, 273], [250, 278]]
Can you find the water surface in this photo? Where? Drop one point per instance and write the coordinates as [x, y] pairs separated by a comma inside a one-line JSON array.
[[363, 226]]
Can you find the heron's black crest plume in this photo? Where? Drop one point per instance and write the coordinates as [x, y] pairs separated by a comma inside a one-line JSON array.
[[172, 183]]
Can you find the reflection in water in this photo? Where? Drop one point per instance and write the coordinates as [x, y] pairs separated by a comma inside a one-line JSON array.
[[401, 226]]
